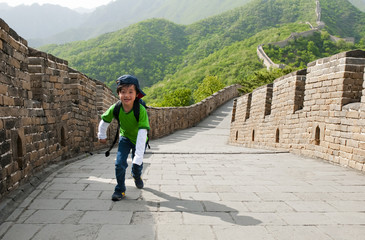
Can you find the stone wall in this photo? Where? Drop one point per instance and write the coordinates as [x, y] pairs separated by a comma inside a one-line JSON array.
[[50, 113], [165, 121], [266, 60], [317, 112]]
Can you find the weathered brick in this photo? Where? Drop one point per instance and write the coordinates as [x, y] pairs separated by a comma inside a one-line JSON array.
[[8, 101], [5, 160], [10, 123]]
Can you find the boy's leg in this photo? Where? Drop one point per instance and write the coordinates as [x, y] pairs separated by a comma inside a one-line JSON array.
[[121, 164], [137, 170]]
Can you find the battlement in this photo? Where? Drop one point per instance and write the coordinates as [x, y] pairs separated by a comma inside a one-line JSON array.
[[317, 112], [50, 112]]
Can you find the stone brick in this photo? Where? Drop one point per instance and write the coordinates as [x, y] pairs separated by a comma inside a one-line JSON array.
[[5, 160], [8, 101], [10, 123], [352, 114], [360, 152], [3, 89]]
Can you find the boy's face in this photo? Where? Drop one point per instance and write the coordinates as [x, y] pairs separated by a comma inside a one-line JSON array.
[[127, 96]]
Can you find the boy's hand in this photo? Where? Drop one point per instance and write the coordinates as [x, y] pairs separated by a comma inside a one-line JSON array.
[[102, 140]]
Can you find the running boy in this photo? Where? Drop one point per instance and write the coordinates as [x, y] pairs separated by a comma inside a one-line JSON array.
[[133, 133]]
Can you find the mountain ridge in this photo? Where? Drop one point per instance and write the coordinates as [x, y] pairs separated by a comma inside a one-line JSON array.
[[205, 37], [111, 17], [108, 18], [222, 46]]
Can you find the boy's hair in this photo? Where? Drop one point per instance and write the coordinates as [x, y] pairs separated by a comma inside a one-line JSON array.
[[121, 86]]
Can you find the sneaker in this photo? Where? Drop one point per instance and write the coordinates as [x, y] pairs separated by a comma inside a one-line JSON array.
[[117, 196], [138, 182]]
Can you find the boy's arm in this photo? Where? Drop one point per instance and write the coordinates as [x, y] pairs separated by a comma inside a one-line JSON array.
[[103, 127], [140, 146]]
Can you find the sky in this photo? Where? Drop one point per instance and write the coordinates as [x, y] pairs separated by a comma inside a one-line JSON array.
[[89, 4]]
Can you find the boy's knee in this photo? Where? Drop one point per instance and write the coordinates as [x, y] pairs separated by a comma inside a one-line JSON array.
[[120, 167]]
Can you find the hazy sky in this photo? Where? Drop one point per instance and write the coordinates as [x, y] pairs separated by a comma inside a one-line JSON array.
[[65, 3]]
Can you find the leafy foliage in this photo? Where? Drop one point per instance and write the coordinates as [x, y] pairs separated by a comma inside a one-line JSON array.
[[263, 77], [210, 85], [178, 98]]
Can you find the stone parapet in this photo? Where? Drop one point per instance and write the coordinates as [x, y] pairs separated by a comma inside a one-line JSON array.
[[165, 121], [317, 112]]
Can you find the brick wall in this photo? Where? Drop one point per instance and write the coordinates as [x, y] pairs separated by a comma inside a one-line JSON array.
[[317, 112], [165, 121], [50, 113]]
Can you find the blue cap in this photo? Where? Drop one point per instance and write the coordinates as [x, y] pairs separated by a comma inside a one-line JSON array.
[[129, 79]]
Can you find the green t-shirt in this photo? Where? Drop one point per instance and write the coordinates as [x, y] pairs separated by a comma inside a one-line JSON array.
[[128, 124]]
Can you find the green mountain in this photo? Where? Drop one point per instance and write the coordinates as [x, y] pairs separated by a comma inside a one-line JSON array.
[[166, 56], [122, 13], [149, 50], [232, 64]]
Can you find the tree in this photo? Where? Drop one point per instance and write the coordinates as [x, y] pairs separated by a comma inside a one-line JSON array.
[[261, 77], [313, 48], [178, 98], [210, 85]]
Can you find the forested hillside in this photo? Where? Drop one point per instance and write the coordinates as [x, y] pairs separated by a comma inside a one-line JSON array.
[[307, 49], [149, 50], [168, 57], [343, 19]]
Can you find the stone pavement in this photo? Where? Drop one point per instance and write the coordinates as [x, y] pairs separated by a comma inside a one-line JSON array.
[[197, 187]]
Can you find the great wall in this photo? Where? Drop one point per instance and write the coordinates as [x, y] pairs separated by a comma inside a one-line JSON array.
[[49, 112], [316, 112]]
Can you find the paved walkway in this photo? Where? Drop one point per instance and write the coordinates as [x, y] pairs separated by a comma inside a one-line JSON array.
[[197, 187]]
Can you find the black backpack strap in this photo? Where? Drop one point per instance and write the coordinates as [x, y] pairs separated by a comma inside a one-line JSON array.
[[136, 109], [116, 116]]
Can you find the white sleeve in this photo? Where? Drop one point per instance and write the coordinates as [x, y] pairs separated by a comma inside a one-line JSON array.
[[140, 146], [103, 126]]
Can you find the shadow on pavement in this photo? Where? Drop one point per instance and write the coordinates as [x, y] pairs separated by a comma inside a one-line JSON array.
[[226, 214]]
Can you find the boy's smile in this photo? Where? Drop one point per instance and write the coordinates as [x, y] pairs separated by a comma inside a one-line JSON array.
[[127, 96]]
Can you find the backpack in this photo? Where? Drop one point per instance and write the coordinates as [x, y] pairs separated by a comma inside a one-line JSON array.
[[116, 110]]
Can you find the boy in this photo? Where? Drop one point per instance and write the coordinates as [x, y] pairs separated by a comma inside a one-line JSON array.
[[133, 133]]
